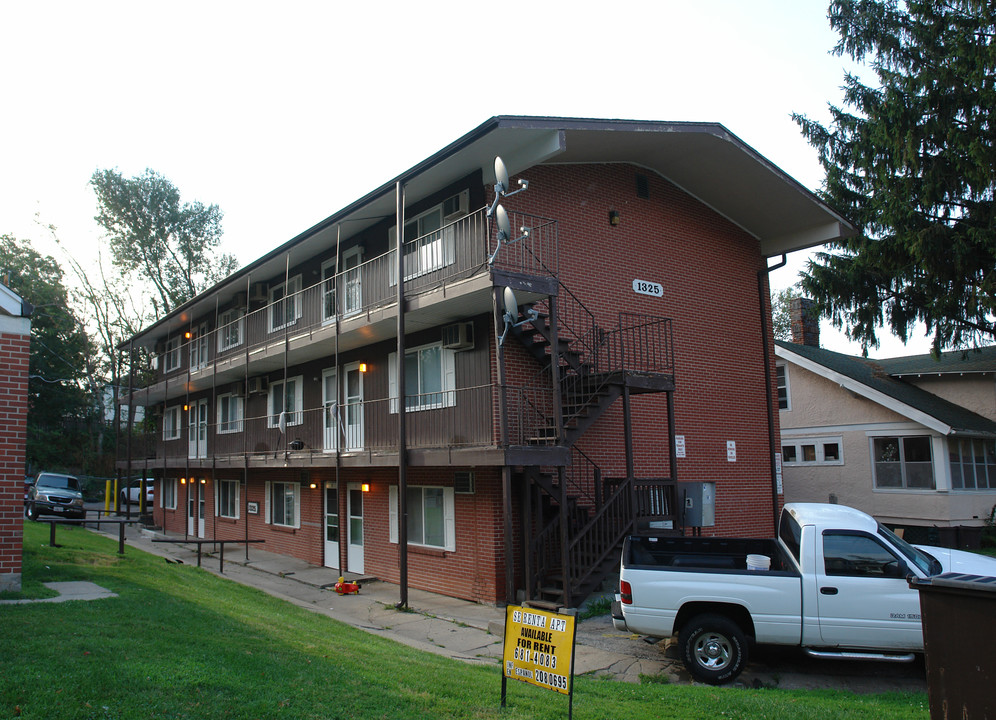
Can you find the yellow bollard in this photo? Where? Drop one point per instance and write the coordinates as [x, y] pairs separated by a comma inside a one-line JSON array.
[[107, 496]]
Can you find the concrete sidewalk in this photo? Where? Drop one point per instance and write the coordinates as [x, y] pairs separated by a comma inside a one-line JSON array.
[[463, 630]]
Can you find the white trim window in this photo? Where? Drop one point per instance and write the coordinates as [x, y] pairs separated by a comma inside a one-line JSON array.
[[171, 355], [168, 500], [782, 381], [285, 399], [231, 327], [973, 464], [172, 423], [230, 413], [431, 517], [198, 347], [813, 451], [429, 238], [903, 463], [285, 303], [226, 500], [430, 378], [283, 504]]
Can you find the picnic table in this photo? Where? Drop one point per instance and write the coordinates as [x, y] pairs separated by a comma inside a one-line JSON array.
[[120, 522], [201, 542]]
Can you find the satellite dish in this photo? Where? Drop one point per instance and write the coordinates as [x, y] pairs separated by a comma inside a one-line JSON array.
[[504, 226], [511, 306], [501, 176]]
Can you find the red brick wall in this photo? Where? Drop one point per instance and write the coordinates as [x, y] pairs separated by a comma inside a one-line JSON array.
[[708, 268], [13, 422]]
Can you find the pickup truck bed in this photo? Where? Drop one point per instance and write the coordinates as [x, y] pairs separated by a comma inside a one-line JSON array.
[[707, 554]]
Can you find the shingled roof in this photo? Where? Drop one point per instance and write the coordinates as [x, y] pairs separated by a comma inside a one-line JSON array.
[[881, 381]]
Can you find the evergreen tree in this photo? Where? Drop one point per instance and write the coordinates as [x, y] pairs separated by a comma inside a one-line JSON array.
[[911, 162]]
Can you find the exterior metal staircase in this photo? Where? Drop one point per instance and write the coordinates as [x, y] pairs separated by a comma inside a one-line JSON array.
[[576, 520]]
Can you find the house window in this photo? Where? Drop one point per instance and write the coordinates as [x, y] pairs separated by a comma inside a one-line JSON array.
[[285, 303], [812, 451], [171, 355], [430, 517], [430, 378], [285, 399], [781, 376], [171, 423], [230, 413], [169, 493], [973, 464], [228, 498], [231, 324], [282, 506], [903, 462]]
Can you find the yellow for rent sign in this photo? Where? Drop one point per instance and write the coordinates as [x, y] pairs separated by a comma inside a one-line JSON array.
[[539, 648]]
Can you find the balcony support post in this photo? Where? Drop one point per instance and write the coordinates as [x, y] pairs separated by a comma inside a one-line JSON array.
[[402, 400]]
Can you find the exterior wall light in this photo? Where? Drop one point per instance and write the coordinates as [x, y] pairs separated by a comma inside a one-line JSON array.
[[613, 217], [203, 481], [363, 367], [365, 487], [183, 481]]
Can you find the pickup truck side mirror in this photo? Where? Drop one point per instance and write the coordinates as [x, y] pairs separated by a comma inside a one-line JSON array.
[[900, 569]]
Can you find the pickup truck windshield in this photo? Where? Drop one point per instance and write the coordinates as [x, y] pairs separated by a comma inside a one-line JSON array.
[[927, 564], [60, 482]]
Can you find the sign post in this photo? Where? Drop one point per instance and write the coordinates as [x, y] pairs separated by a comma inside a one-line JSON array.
[[539, 649]]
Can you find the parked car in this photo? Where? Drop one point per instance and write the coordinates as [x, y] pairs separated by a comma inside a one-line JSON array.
[[133, 492], [55, 494]]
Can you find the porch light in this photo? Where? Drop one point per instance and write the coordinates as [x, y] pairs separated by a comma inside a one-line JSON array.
[[203, 481], [365, 487], [313, 486], [187, 335], [613, 217], [183, 481], [363, 367], [186, 407]]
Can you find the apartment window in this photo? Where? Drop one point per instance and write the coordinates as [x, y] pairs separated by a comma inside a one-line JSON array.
[[231, 325], [812, 451], [973, 464], [168, 500], [430, 517], [903, 462], [227, 501], [781, 375], [285, 399], [230, 413], [430, 378], [198, 347], [171, 355], [171, 423], [282, 504], [285, 303], [429, 243]]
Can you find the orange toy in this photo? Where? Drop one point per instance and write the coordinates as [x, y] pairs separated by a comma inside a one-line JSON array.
[[345, 588]]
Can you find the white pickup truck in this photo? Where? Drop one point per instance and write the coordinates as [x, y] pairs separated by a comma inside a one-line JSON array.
[[836, 586]]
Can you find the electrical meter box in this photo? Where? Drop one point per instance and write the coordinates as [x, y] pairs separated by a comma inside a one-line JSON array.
[[699, 499]]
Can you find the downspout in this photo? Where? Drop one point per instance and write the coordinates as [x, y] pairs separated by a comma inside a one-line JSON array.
[[763, 302]]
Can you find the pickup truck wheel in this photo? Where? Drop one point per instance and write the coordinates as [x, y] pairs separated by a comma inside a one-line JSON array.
[[713, 648]]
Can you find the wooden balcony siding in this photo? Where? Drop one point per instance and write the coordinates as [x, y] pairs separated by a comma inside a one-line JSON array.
[[449, 421], [447, 279]]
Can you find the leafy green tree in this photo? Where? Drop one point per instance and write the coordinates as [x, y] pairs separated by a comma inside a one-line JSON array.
[[912, 162], [154, 236], [60, 410], [781, 318]]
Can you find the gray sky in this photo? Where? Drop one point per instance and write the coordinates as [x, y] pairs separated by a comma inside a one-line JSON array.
[[282, 114]]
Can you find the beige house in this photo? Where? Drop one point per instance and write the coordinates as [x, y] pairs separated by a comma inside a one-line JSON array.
[[910, 440]]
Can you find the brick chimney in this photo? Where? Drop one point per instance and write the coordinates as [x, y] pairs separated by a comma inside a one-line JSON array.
[[805, 322]]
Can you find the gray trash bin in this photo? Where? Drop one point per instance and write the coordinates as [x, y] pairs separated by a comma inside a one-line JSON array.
[[959, 641]]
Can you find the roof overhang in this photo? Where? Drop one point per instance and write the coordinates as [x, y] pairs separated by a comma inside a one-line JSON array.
[[862, 390], [704, 159]]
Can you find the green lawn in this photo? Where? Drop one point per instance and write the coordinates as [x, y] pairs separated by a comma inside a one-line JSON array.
[[179, 642]]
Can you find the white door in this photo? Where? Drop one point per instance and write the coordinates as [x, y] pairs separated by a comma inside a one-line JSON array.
[[354, 509], [197, 429], [352, 284], [334, 423], [328, 290], [332, 526], [353, 406], [195, 509], [863, 598]]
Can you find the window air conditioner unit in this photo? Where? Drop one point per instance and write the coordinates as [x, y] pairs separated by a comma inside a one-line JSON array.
[[257, 385], [459, 336], [463, 482], [258, 292], [456, 206], [239, 389]]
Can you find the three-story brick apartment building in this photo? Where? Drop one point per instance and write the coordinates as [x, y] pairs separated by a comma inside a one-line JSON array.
[[638, 356]]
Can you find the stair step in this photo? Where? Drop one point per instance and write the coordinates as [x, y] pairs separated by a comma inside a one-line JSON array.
[[543, 605]]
